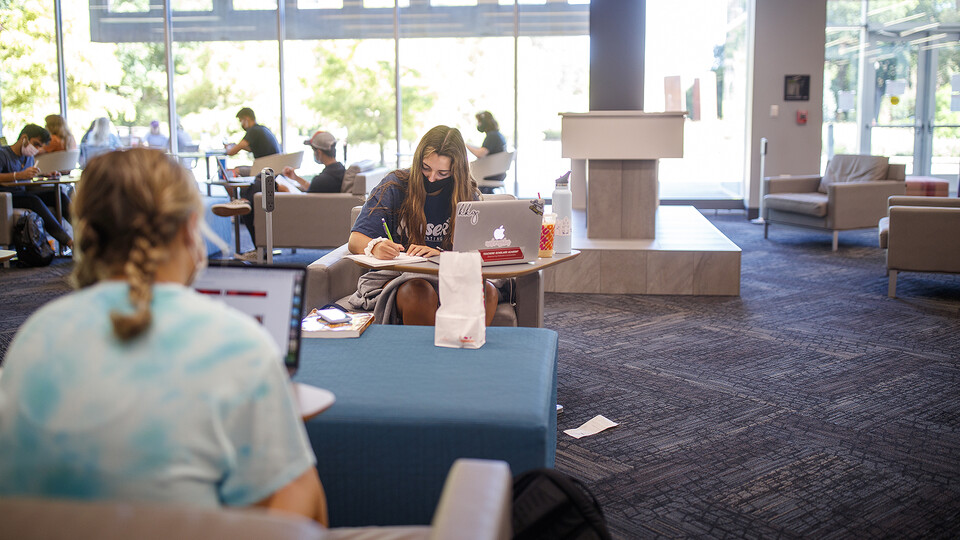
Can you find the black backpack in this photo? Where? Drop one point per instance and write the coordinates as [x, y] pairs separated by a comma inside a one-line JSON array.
[[30, 239], [551, 505]]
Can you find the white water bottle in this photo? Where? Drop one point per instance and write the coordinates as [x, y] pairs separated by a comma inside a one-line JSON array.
[[563, 208]]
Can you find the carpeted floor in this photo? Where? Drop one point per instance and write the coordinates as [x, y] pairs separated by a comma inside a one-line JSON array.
[[810, 406]]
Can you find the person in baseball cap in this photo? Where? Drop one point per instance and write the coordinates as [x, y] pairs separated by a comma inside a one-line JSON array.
[[323, 140], [330, 179]]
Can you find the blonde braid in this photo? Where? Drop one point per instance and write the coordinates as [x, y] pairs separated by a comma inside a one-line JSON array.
[[130, 205], [140, 271]]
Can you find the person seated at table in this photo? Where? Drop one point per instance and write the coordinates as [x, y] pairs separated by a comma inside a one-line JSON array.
[[257, 139], [173, 396], [99, 139], [154, 138], [17, 164], [60, 136], [329, 180], [417, 205], [493, 143]]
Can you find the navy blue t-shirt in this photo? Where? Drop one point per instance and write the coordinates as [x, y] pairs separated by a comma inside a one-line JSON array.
[[385, 202], [261, 141], [330, 179], [494, 142], [10, 162]]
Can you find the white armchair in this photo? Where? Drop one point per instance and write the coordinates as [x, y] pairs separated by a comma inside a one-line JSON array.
[[475, 505], [491, 165]]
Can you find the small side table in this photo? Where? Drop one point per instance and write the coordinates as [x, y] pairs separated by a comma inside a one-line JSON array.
[[5, 256], [312, 400]]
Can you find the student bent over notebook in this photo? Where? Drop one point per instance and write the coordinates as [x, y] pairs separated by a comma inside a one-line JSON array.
[[416, 204]]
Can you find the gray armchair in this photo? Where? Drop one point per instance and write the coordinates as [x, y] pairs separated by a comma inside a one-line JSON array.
[[852, 194], [474, 505], [920, 234]]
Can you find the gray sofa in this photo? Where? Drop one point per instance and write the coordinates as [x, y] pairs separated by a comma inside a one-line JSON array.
[[314, 220], [475, 505], [920, 234], [852, 194]]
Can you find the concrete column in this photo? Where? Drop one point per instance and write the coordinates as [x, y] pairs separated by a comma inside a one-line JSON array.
[[616, 54]]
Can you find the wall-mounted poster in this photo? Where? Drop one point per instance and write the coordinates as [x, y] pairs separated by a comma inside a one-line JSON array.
[[796, 88]]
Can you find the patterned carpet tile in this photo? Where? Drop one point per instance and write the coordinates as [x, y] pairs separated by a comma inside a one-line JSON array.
[[811, 406]]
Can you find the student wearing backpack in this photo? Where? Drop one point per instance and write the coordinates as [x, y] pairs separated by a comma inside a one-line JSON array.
[[17, 164]]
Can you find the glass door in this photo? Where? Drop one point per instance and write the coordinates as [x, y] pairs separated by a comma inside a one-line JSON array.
[[891, 94]]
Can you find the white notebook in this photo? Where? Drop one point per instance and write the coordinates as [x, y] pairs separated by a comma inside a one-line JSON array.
[[402, 258]]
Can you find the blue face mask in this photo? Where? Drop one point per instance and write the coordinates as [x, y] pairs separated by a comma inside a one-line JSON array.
[[433, 187]]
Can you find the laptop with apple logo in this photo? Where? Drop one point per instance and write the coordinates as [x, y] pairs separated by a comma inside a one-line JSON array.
[[502, 231]]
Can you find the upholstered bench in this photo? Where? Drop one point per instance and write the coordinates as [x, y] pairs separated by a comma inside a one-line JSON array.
[[405, 410], [928, 186]]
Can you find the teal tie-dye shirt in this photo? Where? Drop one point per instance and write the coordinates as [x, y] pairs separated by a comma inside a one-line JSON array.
[[197, 410]]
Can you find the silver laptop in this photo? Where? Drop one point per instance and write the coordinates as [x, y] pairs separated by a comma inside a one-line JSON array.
[[273, 295], [503, 231], [64, 161], [274, 161]]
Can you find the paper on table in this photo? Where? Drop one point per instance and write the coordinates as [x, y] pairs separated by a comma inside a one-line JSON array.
[[402, 258], [591, 427]]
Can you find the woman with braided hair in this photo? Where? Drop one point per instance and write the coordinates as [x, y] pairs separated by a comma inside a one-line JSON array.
[[136, 387]]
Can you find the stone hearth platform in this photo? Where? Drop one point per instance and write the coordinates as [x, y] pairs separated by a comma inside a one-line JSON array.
[[689, 256]]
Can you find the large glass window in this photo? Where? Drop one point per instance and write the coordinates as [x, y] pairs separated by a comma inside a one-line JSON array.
[[123, 81], [700, 68], [344, 87], [561, 64], [841, 72], [340, 70], [28, 67]]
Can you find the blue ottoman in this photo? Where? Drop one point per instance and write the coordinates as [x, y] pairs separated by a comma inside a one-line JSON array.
[[406, 410]]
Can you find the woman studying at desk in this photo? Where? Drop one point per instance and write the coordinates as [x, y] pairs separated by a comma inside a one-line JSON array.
[[416, 204], [135, 387]]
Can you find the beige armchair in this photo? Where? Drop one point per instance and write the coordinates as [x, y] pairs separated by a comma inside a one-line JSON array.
[[474, 505], [920, 234], [313, 220], [7, 218], [852, 194]]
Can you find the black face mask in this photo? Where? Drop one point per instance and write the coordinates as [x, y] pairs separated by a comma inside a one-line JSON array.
[[433, 187], [479, 128]]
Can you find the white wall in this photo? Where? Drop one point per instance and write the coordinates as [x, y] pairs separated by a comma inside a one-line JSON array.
[[788, 39]]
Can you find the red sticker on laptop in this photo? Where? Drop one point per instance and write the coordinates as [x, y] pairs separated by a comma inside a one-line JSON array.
[[501, 254]]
